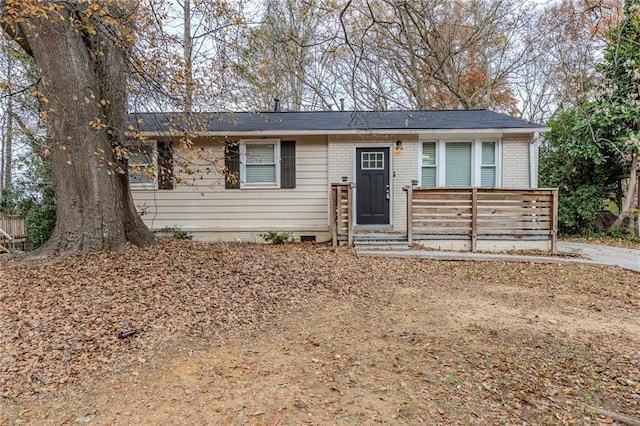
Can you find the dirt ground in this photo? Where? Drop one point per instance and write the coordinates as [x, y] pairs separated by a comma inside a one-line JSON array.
[[318, 336]]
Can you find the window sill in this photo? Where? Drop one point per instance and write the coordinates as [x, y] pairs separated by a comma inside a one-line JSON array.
[[142, 186], [258, 186]]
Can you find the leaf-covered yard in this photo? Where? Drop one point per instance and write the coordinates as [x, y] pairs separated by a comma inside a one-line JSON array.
[[308, 334]]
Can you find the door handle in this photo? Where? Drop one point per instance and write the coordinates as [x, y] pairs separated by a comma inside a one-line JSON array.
[[387, 192]]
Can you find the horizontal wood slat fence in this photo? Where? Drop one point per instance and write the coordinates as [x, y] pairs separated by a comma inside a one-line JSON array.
[[13, 231], [462, 213], [342, 213], [479, 213]]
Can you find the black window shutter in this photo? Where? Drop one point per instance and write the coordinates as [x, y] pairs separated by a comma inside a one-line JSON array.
[[288, 164], [165, 165], [232, 165]]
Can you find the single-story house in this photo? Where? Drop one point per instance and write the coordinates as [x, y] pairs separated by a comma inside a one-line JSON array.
[[235, 176]]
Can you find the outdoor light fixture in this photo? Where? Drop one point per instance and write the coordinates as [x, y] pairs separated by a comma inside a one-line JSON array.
[[398, 146]]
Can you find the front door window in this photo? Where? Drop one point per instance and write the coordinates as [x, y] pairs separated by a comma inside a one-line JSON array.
[[372, 160]]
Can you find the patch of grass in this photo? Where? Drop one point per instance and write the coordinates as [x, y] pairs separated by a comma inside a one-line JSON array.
[[448, 403], [508, 351], [573, 368], [566, 348], [592, 413], [525, 361], [451, 379]]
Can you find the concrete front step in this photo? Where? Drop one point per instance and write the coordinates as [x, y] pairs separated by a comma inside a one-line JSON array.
[[380, 245], [375, 236]]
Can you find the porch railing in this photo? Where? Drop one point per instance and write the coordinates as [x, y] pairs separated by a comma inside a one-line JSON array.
[[342, 213], [13, 231], [482, 213]]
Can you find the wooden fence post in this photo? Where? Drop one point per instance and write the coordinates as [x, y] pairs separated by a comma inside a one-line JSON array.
[[350, 214], [409, 190], [554, 221], [334, 215], [474, 219]]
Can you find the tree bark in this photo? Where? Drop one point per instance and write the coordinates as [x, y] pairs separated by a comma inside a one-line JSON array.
[[7, 142], [631, 191], [84, 99]]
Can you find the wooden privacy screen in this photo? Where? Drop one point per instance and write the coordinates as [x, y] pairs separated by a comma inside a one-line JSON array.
[[342, 213], [479, 213]]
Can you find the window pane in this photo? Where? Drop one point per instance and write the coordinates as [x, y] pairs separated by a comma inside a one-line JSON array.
[[429, 154], [366, 162], [458, 164], [429, 170], [141, 164], [488, 176], [261, 173], [428, 177], [140, 175], [372, 161], [261, 153], [488, 153]]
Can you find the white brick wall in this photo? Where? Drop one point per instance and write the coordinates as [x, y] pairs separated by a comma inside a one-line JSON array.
[[515, 161], [404, 166]]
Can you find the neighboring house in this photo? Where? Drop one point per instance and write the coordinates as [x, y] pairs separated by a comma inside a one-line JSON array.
[[280, 167]]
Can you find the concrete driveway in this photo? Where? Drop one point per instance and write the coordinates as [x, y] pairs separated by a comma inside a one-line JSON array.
[[607, 255]]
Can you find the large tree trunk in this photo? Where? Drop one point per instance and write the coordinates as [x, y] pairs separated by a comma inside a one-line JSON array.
[[84, 98], [631, 191], [7, 145]]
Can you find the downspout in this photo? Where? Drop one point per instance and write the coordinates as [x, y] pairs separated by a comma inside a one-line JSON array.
[[533, 175]]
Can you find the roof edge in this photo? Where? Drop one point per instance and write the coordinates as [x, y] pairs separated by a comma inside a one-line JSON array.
[[512, 130]]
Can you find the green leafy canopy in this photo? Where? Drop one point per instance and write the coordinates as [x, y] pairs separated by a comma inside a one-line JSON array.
[[613, 116]]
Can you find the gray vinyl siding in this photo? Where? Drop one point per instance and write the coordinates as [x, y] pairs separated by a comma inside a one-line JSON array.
[[200, 201]]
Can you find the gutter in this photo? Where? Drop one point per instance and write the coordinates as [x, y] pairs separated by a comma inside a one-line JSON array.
[[177, 133], [533, 175]]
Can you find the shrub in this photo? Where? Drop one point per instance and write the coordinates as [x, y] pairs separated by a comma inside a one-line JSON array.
[[40, 225], [277, 237], [176, 233]]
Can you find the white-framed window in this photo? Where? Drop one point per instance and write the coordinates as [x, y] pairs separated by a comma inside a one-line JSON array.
[[260, 163], [143, 158], [488, 175], [459, 163], [458, 167], [429, 165]]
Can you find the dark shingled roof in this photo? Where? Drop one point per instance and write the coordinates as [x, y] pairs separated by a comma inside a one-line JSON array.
[[329, 121]]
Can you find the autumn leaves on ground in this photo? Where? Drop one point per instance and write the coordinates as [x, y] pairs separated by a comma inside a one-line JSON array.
[[308, 334]]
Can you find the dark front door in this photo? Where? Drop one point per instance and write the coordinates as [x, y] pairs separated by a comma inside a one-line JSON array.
[[372, 186]]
